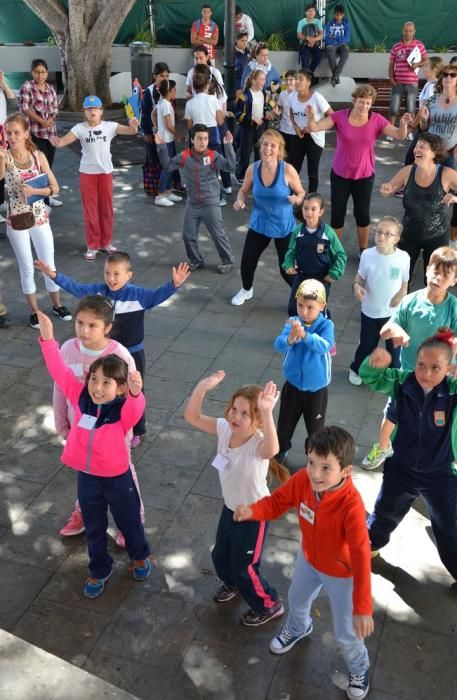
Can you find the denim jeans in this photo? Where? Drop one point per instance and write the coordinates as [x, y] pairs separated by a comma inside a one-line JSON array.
[[409, 92]]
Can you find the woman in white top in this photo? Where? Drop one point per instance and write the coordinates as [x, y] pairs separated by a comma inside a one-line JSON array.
[[165, 115], [251, 116], [304, 143]]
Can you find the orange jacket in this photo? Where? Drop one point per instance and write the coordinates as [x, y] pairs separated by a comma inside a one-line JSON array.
[[334, 531]]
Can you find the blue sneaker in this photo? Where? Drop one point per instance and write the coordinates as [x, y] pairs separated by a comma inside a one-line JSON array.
[[141, 569], [285, 640], [94, 587], [358, 686]]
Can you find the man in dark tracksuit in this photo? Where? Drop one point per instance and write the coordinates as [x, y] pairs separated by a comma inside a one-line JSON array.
[[423, 461]]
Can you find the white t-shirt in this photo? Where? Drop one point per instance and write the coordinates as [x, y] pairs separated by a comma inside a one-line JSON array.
[[165, 108], [214, 71], [285, 125], [244, 476], [383, 276], [427, 91], [258, 104], [95, 143], [202, 109], [320, 106]]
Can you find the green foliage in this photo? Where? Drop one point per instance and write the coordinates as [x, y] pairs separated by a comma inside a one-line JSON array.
[[276, 42], [440, 49], [51, 40], [380, 47]]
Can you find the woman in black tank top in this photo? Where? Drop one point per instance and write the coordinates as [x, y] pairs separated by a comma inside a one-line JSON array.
[[427, 184]]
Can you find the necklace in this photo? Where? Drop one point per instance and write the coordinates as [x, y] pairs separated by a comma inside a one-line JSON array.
[[24, 164]]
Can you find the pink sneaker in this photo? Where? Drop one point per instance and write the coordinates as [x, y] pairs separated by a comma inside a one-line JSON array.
[[135, 442], [120, 540], [110, 249], [75, 525]]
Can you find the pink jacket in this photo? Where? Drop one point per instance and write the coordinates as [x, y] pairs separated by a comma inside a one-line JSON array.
[[79, 363], [99, 449]]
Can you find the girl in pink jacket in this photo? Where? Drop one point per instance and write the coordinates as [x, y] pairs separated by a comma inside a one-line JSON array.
[[106, 407], [93, 323]]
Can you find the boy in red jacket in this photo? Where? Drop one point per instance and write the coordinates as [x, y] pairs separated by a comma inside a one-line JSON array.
[[335, 552]]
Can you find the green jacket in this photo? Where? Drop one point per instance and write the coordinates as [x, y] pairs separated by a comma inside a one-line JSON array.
[[316, 254]]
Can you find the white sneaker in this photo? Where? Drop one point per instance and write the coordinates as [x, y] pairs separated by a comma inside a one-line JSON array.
[[354, 378], [389, 138], [222, 202], [227, 190], [163, 201], [2, 219], [242, 296], [174, 197], [55, 202]]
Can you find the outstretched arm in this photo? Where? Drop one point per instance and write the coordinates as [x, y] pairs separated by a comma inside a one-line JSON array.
[[193, 414]]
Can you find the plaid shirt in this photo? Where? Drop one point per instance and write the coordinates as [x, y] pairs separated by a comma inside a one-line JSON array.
[[43, 103]]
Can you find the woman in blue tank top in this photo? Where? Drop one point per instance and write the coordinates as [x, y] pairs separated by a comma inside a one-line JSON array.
[[276, 188]]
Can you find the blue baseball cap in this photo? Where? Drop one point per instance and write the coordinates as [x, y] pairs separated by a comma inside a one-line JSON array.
[[92, 101]]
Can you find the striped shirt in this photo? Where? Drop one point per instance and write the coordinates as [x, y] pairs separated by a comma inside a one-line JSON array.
[[398, 55]]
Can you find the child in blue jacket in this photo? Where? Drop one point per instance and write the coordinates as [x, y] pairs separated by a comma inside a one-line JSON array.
[[306, 341], [337, 35]]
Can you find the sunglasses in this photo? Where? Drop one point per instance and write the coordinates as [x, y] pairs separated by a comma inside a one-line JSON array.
[[449, 75]]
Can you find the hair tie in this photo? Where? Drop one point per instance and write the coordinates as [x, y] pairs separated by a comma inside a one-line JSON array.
[[445, 337]]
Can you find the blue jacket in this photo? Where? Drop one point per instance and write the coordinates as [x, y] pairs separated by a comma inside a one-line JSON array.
[[271, 76], [129, 305], [426, 435], [307, 364], [337, 33]]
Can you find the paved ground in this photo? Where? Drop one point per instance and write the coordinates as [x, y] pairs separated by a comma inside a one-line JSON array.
[[164, 639]]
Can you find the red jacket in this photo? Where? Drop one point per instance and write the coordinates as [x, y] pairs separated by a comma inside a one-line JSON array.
[[98, 449], [334, 531]]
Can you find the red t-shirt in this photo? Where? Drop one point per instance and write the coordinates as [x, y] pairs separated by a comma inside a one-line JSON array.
[[398, 54], [206, 31]]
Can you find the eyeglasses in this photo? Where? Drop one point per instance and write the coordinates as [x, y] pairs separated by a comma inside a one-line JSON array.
[[449, 75], [385, 235]]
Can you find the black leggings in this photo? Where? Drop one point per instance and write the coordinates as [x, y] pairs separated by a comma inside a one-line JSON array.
[[414, 247], [341, 189], [254, 245], [294, 404], [298, 149], [248, 140]]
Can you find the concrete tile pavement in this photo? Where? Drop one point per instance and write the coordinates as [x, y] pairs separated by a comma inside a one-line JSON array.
[[165, 639]]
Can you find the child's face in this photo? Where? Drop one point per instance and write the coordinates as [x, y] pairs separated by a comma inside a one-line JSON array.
[[104, 389], [200, 57], [117, 275], [206, 14], [312, 211], [91, 330], [427, 71], [302, 83], [259, 82], [339, 16], [310, 13], [200, 141], [432, 365], [239, 417], [242, 43], [309, 309], [93, 115], [325, 472], [161, 76], [290, 83], [172, 94], [439, 281], [386, 237]]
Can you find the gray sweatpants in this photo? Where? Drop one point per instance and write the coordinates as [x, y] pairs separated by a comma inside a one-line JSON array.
[[304, 589], [211, 216]]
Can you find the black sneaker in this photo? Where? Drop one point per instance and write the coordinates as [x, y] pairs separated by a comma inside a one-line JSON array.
[[251, 618], [358, 686], [285, 640], [62, 312], [195, 266], [34, 323], [225, 593]]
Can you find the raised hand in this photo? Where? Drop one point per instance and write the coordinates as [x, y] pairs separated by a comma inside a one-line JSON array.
[[268, 398], [134, 123], [228, 138], [135, 382], [212, 381], [406, 118], [380, 358], [424, 113], [180, 274], [296, 331], [46, 329], [44, 268], [242, 513]]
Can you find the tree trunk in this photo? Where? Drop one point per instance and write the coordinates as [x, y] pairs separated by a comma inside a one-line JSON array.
[[85, 31]]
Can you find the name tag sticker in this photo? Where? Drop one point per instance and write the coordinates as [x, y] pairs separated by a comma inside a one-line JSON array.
[[220, 462], [87, 421], [78, 370], [206, 161], [307, 513]]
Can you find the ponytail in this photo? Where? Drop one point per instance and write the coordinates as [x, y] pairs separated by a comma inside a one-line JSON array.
[[277, 471]]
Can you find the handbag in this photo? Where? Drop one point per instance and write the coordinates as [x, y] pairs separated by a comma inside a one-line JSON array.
[[21, 222]]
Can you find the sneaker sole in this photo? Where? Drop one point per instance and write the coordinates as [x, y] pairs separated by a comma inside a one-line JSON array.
[[369, 467], [284, 650], [277, 614], [73, 533], [357, 697]]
